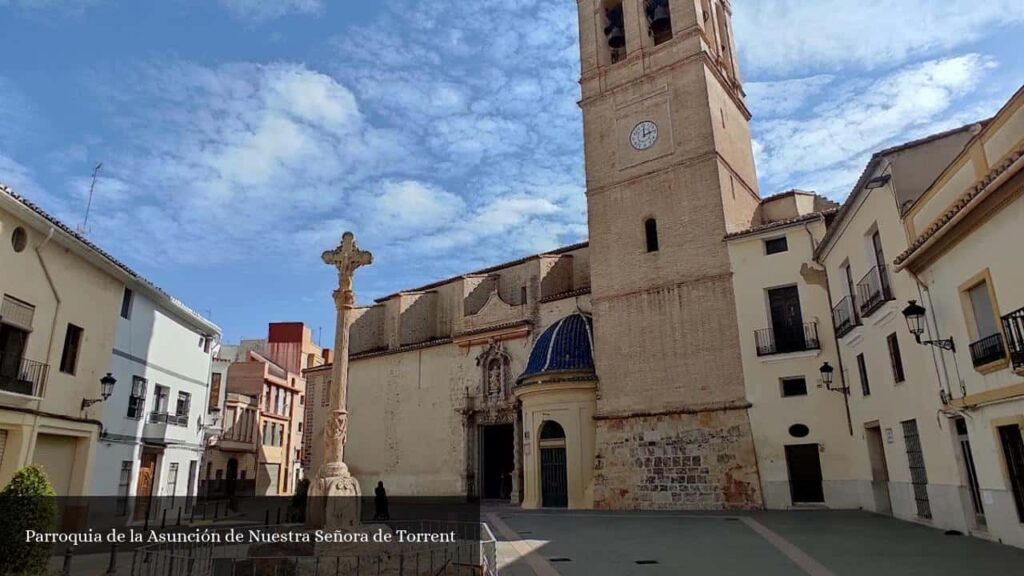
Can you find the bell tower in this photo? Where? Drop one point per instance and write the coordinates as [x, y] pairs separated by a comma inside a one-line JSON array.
[[670, 172]]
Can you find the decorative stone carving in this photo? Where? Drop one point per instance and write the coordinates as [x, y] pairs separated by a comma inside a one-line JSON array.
[[495, 377], [334, 494]]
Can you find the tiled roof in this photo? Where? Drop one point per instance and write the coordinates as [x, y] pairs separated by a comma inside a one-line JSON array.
[[8, 192], [959, 206], [869, 168], [782, 223], [566, 346]]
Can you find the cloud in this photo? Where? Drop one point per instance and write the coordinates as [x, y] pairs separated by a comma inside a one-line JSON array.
[[261, 10], [825, 145], [779, 37]]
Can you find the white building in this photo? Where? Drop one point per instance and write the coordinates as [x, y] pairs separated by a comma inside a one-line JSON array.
[[153, 424]]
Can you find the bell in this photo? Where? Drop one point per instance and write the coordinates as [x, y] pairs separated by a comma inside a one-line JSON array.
[[661, 20], [616, 39]]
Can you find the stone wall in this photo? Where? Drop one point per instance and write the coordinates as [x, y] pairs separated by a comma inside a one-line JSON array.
[[676, 462]]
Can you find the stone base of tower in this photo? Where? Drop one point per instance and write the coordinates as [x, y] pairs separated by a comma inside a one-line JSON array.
[[701, 461]]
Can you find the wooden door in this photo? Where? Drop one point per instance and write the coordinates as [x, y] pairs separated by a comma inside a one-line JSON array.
[[804, 465], [144, 486]]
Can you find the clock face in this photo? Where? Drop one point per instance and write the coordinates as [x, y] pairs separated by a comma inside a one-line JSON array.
[[644, 135]]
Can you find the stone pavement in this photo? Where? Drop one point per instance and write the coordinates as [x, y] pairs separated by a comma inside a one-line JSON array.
[[819, 543]]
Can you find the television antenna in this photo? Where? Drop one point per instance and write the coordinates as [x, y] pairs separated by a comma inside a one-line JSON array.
[[84, 228]]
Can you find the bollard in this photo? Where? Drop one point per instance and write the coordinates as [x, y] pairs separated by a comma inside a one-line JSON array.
[[216, 510], [278, 516], [266, 517], [112, 566], [179, 516], [163, 519], [68, 554]]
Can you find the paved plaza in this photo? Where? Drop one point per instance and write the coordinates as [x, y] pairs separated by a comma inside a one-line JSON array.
[[820, 543]]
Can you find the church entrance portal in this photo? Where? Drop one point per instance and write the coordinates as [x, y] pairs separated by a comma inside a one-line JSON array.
[[497, 461]]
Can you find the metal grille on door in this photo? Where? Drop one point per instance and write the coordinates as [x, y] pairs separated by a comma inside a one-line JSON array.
[[918, 474], [553, 477]]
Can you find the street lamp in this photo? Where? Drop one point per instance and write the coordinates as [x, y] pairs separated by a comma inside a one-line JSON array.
[[106, 390], [914, 313], [828, 378]]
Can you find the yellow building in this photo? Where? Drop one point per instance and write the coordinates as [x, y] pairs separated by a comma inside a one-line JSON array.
[[61, 297], [965, 233]]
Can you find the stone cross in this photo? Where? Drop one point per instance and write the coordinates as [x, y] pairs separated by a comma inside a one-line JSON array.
[[347, 257]]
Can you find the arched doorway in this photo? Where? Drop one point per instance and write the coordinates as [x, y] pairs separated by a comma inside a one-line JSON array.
[[553, 474]]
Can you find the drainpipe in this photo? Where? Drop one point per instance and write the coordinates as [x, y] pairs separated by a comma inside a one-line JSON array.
[[941, 373], [839, 354], [53, 330]]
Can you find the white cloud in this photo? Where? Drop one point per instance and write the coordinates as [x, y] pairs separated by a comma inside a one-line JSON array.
[[826, 145], [784, 97], [260, 10], [776, 37]]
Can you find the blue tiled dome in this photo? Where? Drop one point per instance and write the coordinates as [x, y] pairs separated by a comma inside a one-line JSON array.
[[566, 346]]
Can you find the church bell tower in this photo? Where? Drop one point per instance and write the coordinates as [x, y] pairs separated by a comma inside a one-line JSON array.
[[670, 172]]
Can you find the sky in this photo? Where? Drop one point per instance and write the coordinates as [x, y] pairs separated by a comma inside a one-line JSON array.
[[240, 138]]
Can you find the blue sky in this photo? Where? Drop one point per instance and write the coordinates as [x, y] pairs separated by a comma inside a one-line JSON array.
[[239, 138]]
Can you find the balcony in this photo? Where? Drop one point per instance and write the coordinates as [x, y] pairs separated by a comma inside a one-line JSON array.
[[845, 317], [22, 376], [988, 350], [874, 291], [1013, 325], [797, 339], [165, 418]]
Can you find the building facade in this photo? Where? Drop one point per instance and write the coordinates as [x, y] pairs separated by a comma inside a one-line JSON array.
[[257, 446], [154, 422], [58, 323], [963, 231]]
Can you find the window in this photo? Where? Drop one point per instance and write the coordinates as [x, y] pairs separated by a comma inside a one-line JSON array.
[[19, 239], [126, 304], [794, 387], [776, 246], [123, 486], [896, 358], [522, 294], [918, 473], [182, 408], [215, 391], [651, 232], [862, 368], [161, 396], [659, 20], [207, 342], [137, 400], [983, 311], [72, 345], [229, 423], [615, 31], [1013, 451], [172, 480]]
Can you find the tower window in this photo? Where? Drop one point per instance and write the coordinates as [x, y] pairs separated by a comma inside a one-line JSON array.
[[651, 233], [615, 32], [659, 20]]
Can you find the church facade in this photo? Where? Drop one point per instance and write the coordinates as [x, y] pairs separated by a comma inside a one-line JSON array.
[[707, 348]]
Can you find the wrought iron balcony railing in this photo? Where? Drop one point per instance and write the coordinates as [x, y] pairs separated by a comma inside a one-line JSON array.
[[799, 338], [1013, 325], [874, 291], [22, 376], [165, 418], [988, 350], [845, 317]]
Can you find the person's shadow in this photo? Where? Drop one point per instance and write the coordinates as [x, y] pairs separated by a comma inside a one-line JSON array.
[[380, 503]]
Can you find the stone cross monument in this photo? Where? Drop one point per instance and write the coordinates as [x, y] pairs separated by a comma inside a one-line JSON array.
[[334, 495]]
